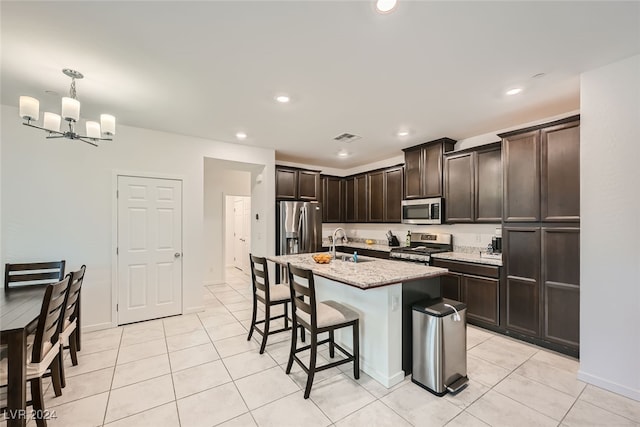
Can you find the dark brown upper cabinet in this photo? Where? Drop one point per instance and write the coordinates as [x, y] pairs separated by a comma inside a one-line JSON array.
[[473, 185], [333, 198], [423, 168], [356, 198], [560, 173], [542, 172], [385, 195], [297, 184]]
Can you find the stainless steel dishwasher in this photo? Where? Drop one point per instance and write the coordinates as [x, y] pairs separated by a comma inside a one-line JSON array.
[[440, 345]]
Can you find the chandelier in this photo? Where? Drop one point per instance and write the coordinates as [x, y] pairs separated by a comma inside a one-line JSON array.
[[30, 112]]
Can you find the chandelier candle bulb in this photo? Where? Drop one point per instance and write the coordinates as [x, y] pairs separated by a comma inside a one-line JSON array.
[[70, 109], [52, 122], [93, 130], [108, 124], [29, 108]]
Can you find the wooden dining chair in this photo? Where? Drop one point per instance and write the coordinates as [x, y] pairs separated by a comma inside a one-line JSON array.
[[326, 316], [69, 326], [269, 295], [32, 274], [43, 349]]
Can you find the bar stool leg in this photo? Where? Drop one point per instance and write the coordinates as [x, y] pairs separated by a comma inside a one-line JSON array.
[[253, 317], [332, 350], [292, 350], [286, 315], [55, 375], [265, 330], [312, 364], [356, 349], [73, 348]]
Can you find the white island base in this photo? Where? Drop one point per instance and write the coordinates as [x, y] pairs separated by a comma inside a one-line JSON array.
[[382, 311]]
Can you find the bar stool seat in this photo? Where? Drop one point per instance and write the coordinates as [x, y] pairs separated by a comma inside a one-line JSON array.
[[279, 292], [330, 313]]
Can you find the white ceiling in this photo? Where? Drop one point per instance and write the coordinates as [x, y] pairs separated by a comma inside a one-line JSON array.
[[210, 69]]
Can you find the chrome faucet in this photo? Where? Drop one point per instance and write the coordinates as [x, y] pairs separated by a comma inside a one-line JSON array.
[[333, 240]]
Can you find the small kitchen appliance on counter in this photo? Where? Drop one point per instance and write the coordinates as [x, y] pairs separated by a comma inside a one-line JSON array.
[[422, 245]]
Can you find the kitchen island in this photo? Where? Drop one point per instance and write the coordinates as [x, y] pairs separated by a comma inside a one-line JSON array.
[[382, 292]]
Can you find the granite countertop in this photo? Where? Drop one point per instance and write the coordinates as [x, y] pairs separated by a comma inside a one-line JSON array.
[[467, 257], [364, 275]]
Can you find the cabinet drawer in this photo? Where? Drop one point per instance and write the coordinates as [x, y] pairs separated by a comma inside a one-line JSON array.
[[468, 268]]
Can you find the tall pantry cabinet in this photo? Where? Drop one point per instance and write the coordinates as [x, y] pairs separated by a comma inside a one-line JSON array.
[[541, 233]]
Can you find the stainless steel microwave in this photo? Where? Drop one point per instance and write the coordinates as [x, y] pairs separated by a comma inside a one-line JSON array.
[[423, 211]]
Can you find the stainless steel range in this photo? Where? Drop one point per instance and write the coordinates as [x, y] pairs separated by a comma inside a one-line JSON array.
[[422, 246]]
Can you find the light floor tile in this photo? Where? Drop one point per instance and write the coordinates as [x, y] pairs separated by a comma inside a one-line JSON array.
[[557, 360], [139, 397], [497, 410], [485, 372], [465, 419], [142, 351], [141, 370], [90, 362], [182, 325], [245, 420], [99, 341], [87, 412], [375, 414], [265, 387], [142, 335], [163, 416], [245, 314], [219, 320], [238, 306], [465, 397], [292, 410], [585, 414], [189, 339], [211, 407], [300, 376], [81, 386], [536, 396], [244, 364], [192, 356], [419, 406], [212, 311], [613, 402], [331, 397], [476, 336], [503, 352], [235, 345], [199, 378], [220, 332], [556, 378]]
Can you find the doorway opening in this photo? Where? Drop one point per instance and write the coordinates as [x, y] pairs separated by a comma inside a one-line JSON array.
[[237, 232]]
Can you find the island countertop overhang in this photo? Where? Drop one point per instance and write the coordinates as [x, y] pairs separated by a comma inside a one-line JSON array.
[[372, 273]]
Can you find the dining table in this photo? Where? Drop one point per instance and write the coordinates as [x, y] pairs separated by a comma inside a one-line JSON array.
[[18, 309]]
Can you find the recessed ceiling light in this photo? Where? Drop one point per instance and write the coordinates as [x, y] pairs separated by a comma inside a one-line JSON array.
[[385, 6], [241, 135], [403, 133], [514, 91], [282, 99], [343, 153]]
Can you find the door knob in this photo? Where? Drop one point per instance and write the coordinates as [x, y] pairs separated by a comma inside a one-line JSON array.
[[177, 255]]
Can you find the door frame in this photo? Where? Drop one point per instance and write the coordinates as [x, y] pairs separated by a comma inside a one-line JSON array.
[[115, 173]]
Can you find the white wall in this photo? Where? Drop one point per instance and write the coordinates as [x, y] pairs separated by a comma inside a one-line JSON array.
[[58, 200], [220, 178], [610, 232]]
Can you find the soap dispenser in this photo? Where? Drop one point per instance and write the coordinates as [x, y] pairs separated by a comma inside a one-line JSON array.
[[408, 241]]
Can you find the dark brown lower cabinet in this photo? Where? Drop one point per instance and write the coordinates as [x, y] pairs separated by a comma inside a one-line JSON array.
[[477, 285], [542, 269], [452, 286], [561, 285], [482, 297]]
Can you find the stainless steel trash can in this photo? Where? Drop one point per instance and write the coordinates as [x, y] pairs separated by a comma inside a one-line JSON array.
[[440, 345]]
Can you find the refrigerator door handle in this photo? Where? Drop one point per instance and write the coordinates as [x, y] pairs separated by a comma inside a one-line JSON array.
[[303, 229]]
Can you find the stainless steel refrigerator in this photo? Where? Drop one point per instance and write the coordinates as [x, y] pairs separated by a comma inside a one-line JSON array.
[[299, 227]]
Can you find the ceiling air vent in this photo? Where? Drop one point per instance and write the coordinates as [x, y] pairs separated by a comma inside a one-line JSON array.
[[347, 137]]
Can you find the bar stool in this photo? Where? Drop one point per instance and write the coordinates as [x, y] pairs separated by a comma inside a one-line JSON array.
[[270, 296], [326, 316]]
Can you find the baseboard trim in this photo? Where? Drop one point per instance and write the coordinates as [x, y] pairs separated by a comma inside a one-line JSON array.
[[609, 385]]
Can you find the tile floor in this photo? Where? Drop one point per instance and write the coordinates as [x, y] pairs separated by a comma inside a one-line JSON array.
[[200, 370]]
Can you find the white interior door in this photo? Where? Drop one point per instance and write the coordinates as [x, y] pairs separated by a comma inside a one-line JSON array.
[[238, 233], [246, 233], [149, 248]]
